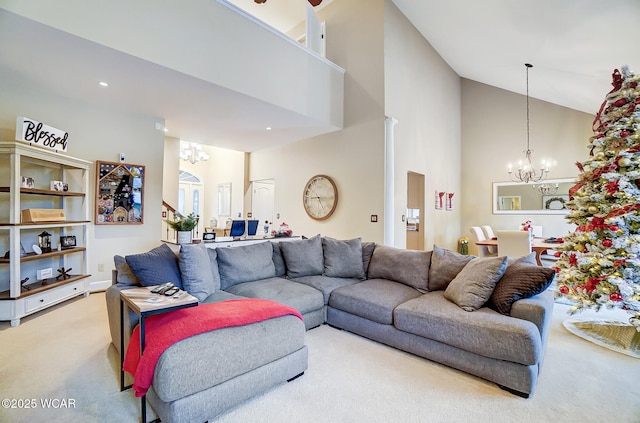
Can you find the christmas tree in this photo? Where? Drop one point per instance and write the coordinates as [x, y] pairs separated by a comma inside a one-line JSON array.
[[599, 264]]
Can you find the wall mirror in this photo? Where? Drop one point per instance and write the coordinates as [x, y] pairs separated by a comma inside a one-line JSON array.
[[224, 199], [521, 198]]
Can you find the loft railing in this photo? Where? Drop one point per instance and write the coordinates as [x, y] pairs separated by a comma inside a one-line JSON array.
[[168, 234]]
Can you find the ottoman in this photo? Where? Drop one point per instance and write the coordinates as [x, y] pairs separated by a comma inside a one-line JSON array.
[[202, 376]]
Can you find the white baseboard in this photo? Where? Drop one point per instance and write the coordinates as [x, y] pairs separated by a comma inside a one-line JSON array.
[[98, 286]]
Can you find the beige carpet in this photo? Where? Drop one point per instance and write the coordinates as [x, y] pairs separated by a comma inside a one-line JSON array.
[[64, 353]]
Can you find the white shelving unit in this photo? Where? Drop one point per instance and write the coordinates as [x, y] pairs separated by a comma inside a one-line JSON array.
[[20, 296]]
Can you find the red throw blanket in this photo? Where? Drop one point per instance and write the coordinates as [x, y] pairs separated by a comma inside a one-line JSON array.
[[164, 330]]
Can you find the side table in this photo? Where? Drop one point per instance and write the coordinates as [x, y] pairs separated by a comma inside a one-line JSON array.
[[137, 300]]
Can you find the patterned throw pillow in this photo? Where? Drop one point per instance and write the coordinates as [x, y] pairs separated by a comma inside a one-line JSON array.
[[522, 279]]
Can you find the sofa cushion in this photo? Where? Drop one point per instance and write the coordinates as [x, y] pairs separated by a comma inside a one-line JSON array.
[[157, 266], [199, 270], [124, 275], [445, 265], [325, 284], [405, 266], [303, 257], [278, 260], [301, 297], [522, 279], [485, 332], [373, 299], [245, 263], [472, 287], [343, 259]]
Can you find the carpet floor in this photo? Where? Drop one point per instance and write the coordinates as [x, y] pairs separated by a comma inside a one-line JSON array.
[[59, 366]]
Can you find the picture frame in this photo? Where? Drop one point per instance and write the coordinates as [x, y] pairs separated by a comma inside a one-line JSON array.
[[119, 193], [67, 242], [27, 182], [554, 202]]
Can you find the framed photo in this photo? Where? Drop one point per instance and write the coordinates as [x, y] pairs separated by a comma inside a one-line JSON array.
[[27, 182], [59, 186], [554, 202], [119, 193], [67, 242]]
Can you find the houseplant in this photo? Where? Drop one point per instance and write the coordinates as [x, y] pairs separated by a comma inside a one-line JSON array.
[[184, 226]]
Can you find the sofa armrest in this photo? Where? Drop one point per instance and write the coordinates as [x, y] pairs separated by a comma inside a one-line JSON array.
[[112, 296], [538, 310]]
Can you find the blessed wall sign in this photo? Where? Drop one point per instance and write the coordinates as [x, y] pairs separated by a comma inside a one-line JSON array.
[[41, 135]]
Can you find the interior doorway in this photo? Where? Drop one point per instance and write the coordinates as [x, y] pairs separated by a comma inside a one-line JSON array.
[[263, 202], [191, 197], [415, 211]]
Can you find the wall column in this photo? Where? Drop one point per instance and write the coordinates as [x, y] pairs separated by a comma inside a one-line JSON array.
[[389, 182]]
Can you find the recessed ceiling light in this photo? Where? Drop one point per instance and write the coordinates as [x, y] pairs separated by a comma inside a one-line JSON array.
[[268, 128], [104, 84]]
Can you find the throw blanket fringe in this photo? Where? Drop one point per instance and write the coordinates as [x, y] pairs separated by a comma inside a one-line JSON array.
[[164, 330]]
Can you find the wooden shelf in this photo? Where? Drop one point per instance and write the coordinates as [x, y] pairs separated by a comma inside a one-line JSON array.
[[40, 286], [34, 256], [51, 223], [36, 191]]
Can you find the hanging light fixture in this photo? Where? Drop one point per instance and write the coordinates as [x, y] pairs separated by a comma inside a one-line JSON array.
[[192, 152], [526, 171], [546, 189]]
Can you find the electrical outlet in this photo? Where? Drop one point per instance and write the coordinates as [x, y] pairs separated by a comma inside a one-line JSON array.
[[45, 273], [101, 267]]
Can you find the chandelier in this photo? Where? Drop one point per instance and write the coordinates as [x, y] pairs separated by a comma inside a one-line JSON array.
[[192, 152], [545, 189], [526, 171]]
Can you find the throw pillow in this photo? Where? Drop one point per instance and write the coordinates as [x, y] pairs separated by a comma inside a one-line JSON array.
[[473, 286], [196, 270], [408, 267], [445, 265], [522, 279], [367, 252], [155, 267], [124, 275], [244, 264], [278, 260], [303, 257], [343, 259]]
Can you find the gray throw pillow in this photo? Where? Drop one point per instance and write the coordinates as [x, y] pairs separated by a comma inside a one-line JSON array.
[[278, 260], [155, 267], [445, 265], [198, 277], [472, 287], [124, 275], [408, 267], [367, 252], [303, 257], [522, 279], [342, 259], [245, 264]]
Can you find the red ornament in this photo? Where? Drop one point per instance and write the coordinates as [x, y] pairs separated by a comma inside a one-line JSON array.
[[607, 243], [563, 290], [614, 227], [624, 134], [615, 296], [557, 254]]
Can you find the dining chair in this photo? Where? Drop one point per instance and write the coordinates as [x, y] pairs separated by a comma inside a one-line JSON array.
[[488, 233], [537, 231], [514, 243], [483, 250]]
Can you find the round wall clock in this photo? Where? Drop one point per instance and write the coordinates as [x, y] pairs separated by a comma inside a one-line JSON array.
[[320, 197]]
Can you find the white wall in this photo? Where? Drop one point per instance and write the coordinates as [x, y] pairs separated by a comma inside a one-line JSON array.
[[97, 134], [423, 93], [494, 134], [353, 157]]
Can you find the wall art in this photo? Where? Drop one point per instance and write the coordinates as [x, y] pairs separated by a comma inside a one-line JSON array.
[[119, 193]]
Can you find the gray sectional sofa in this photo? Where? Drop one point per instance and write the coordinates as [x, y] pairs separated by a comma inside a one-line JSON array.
[[485, 316]]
